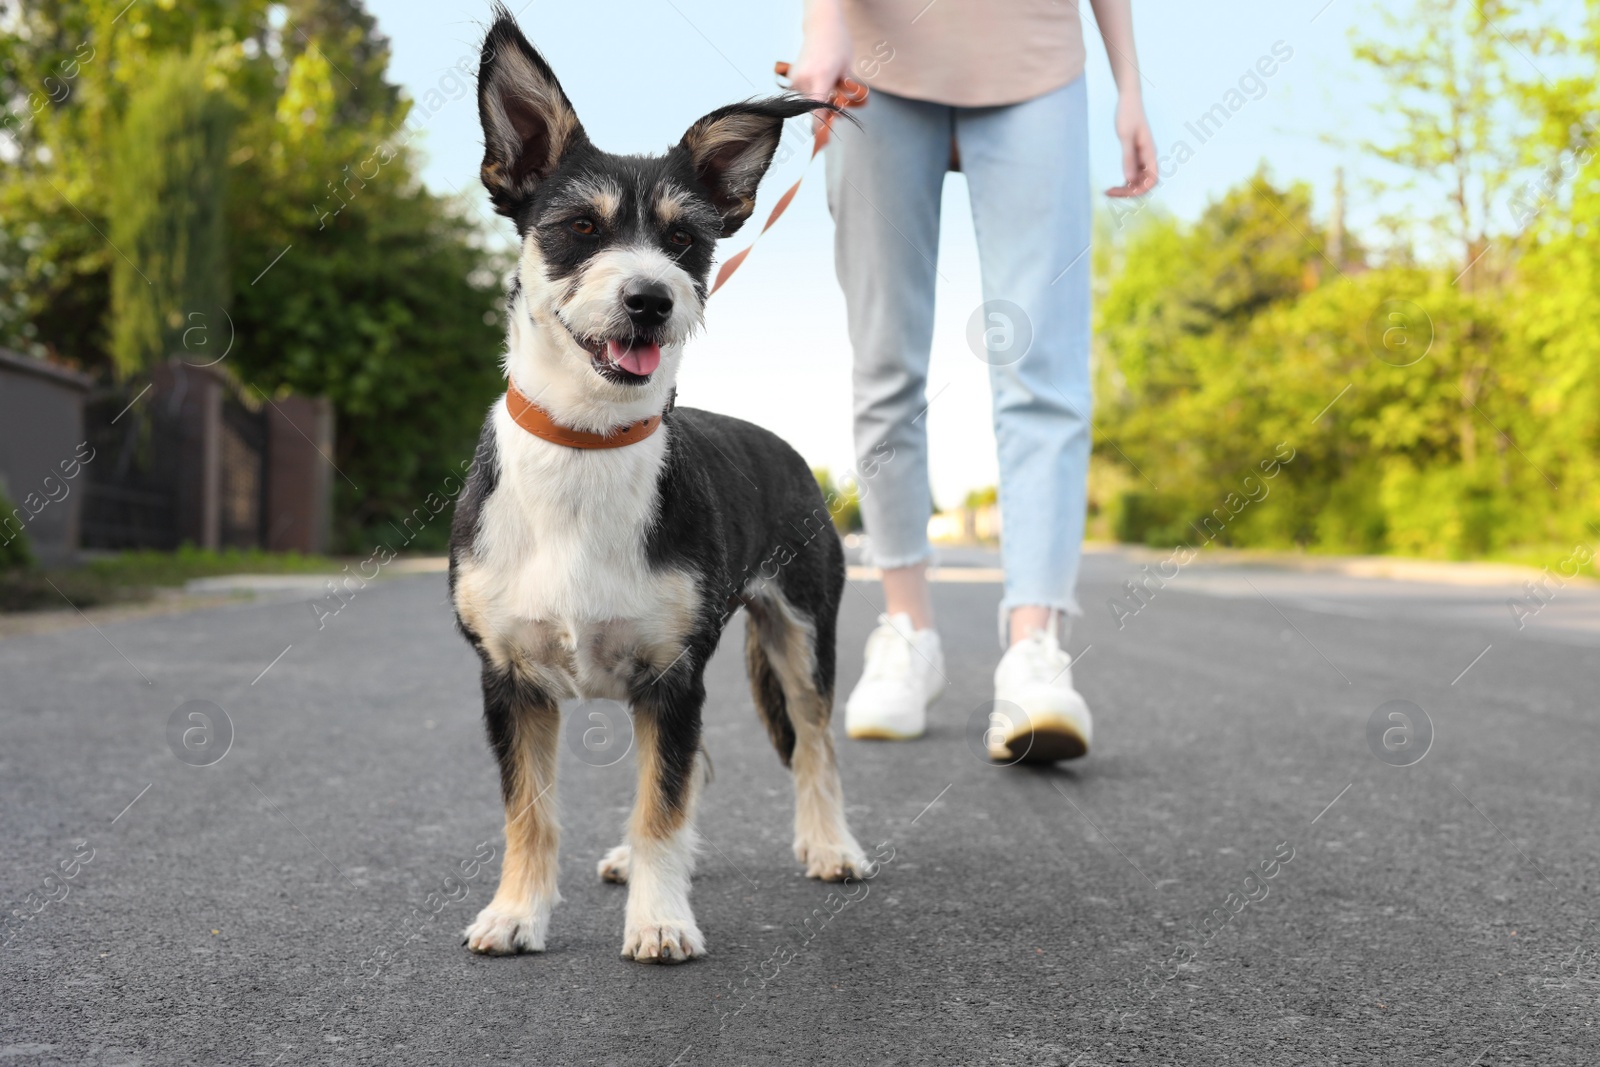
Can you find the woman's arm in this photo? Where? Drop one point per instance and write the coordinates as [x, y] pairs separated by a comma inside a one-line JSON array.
[[1138, 146], [825, 51]]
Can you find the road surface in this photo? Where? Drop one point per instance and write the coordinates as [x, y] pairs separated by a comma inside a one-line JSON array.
[[1242, 871]]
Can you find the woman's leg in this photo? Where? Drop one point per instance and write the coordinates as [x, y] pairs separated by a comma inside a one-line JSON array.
[[906, 592], [1027, 169], [884, 184]]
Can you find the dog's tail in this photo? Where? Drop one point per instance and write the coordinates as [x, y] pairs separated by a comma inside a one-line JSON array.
[[767, 691]]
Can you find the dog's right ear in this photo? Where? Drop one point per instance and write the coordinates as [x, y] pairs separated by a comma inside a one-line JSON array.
[[528, 122]]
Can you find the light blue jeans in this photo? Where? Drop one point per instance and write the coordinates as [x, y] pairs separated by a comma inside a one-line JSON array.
[[1027, 170]]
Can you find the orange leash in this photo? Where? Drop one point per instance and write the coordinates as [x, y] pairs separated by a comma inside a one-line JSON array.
[[848, 93]]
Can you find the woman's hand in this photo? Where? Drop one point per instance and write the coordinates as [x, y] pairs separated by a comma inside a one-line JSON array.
[[825, 54], [1138, 148]]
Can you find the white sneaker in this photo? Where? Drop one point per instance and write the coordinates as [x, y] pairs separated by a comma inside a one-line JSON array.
[[903, 675], [1038, 716]]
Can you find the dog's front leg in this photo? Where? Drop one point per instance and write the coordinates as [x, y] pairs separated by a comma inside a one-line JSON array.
[[661, 837], [523, 725]]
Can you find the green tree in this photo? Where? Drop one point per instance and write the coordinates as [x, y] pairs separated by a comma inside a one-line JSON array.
[[1177, 404], [1556, 308], [167, 205], [1457, 71], [1462, 75], [343, 277], [357, 284], [67, 70]]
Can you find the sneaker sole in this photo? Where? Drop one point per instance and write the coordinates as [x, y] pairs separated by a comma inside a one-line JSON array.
[[878, 733], [874, 732], [1050, 743]]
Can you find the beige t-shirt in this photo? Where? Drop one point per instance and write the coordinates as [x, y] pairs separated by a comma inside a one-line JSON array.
[[967, 53]]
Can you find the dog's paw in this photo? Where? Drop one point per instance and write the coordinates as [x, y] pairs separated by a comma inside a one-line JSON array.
[[833, 861], [499, 931], [614, 865], [663, 942]]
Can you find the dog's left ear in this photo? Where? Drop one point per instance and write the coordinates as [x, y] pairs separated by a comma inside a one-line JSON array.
[[528, 122], [731, 148]]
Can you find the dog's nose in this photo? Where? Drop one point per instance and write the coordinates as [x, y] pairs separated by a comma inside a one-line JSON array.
[[648, 305]]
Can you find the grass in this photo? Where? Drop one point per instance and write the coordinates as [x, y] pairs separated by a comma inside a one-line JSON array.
[[1563, 560], [129, 577]]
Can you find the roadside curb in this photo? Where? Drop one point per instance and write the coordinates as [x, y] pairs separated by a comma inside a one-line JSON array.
[[1391, 568]]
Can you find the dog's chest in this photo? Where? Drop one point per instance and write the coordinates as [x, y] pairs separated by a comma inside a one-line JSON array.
[[558, 585]]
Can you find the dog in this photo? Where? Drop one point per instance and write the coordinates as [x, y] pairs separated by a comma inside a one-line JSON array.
[[605, 536]]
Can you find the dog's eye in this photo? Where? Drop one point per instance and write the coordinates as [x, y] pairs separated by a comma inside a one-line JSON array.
[[682, 238], [583, 227]]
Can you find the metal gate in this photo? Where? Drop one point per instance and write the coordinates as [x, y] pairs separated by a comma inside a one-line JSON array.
[[133, 478], [243, 483], [184, 459]]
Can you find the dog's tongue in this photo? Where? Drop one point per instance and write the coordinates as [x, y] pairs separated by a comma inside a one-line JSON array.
[[640, 359]]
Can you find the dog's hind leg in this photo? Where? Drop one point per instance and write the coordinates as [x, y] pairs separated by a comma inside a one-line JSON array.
[[782, 651], [523, 728], [614, 865], [659, 851]]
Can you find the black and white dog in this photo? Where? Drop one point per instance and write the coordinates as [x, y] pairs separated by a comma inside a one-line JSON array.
[[604, 536]]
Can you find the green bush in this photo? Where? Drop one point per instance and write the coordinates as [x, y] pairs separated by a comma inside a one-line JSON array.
[[14, 550], [844, 505], [1139, 517]]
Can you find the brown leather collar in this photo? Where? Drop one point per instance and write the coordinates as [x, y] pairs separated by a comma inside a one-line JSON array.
[[537, 421]]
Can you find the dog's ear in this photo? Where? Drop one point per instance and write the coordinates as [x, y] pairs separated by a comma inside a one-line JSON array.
[[731, 148], [528, 122]]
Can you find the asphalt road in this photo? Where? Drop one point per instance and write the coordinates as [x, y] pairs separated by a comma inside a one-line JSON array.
[[299, 901]]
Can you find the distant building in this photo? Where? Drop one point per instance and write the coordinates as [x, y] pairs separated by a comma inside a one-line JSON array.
[[42, 446]]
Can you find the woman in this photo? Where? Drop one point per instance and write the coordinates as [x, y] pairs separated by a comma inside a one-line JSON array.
[[998, 87]]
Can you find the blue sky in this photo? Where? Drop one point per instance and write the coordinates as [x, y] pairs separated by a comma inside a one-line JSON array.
[[775, 350]]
